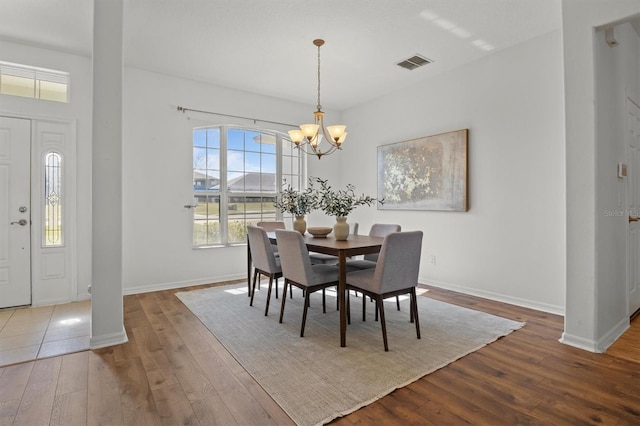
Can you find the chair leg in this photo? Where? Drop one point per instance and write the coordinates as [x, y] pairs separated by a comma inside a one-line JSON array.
[[397, 302], [253, 288], [411, 311], [284, 299], [376, 302], [348, 307], [364, 308], [290, 291], [266, 309], [304, 313], [376, 307], [414, 300], [324, 302], [380, 306]]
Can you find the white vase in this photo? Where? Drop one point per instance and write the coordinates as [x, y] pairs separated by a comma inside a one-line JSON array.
[[300, 225], [341, 228]]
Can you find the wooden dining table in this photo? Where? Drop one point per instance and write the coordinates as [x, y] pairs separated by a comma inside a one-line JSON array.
[[354, 245]]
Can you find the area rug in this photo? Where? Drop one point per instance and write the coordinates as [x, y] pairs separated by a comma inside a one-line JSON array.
[[315, 380]]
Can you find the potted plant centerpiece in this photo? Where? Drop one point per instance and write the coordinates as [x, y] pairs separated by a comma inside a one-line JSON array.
[[340, 203], [297, 203]]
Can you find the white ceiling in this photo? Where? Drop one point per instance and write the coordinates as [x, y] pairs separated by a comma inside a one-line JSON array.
[[265, 46]]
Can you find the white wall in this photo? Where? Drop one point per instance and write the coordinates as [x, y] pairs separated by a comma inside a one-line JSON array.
[[157, 176], [510, 244], [591, 312]]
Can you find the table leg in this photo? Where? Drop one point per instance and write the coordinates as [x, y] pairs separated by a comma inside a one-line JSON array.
[[248, 269], [342, 289]]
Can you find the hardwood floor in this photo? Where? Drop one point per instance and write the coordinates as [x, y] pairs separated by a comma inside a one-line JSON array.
[[173, 372]]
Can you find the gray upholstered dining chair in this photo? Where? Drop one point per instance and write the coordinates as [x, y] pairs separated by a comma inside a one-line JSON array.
[[315, 257], [271, 227], [396, 273], [377, 230], [299, 272], [264, 261], [369, 260], [322, 259]]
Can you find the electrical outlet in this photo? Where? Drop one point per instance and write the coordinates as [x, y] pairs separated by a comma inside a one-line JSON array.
[[433, 260]]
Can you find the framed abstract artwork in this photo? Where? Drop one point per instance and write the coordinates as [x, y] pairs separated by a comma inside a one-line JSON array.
[[428, 173]]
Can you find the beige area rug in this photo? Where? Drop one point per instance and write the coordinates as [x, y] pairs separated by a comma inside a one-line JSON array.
[[315, 380]]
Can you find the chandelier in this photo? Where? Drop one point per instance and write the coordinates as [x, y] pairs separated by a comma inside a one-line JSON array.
[[310, 136]]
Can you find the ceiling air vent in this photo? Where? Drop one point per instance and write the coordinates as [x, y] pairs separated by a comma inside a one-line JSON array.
[[414, 62]]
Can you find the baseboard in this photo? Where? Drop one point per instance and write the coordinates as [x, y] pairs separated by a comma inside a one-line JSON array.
[[80, 298], [557, 310], [50, 302], [602, 344], [180, 284], [607, 340], [552, 309], [579, 342], [83, 296], [97, 342]]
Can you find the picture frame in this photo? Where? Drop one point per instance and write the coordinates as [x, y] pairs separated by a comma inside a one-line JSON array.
[[427, 173]]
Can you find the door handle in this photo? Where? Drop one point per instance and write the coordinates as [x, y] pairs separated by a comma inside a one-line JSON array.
[[634, 219], [21, 222]]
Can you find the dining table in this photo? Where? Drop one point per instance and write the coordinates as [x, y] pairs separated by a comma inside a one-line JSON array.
[[354, 245]]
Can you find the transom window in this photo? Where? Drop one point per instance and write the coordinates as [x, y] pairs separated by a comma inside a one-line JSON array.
[[32, 82], [237, 174]]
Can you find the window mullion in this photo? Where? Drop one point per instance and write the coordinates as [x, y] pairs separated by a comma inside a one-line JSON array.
[[224, 193], [278, 169]]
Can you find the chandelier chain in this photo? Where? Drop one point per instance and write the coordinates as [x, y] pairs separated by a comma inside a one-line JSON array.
[[319, 106]]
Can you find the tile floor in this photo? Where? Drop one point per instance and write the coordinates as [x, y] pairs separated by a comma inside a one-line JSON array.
[[32, 333]]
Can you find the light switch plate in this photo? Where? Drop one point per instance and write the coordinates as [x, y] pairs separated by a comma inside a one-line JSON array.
[[622, 170]]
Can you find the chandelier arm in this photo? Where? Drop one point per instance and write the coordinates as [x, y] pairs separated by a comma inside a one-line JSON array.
[[316, 152], [327, 136]]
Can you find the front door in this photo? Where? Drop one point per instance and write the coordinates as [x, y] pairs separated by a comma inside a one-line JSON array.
[[633, 203], [15, 212]]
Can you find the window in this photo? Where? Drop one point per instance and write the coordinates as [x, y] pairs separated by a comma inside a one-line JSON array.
[[237, 174], [52, 235], [31, 82]]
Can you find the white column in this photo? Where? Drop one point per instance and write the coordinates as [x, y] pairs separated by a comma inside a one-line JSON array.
[[107, 322]]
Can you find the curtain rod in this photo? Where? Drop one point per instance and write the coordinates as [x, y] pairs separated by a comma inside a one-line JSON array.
[[255, 120]]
